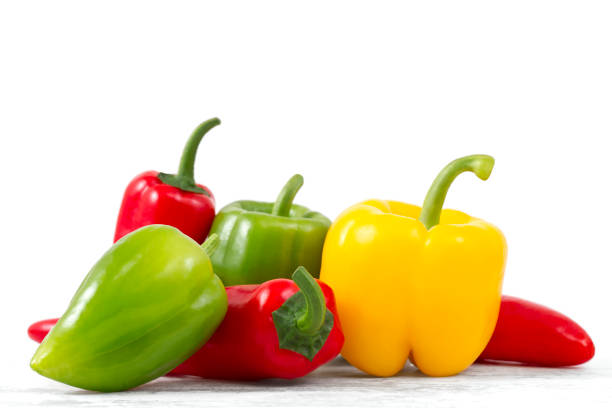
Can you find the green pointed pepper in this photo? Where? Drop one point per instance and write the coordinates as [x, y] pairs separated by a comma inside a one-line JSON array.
[[260, 241], [147, 305]]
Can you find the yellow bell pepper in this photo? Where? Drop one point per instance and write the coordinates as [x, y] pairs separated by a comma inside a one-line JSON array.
[[419, 284]]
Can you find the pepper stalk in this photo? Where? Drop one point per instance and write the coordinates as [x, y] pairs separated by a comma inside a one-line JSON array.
[[184, 179], [211, 244], [303, 322], [479, 164], [285, 198]]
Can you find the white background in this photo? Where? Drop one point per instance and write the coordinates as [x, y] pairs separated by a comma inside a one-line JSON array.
[[365, 99]]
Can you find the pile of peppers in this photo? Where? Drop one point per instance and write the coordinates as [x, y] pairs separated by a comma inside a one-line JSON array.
[[275, 290]]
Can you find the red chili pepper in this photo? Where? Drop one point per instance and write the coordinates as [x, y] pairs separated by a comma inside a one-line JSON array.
[[533, 334], [39, 330], [171, 199], [279, 329]]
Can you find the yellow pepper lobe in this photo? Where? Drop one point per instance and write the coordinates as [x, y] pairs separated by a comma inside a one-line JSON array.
[[405, 291]]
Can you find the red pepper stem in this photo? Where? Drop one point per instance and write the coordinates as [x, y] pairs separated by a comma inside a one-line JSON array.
[[210, 245], [184, 179], [284, 201], [191, 148], [479, 164], [314, 315]]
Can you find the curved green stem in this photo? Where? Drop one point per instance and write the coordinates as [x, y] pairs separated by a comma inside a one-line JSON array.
[[479, 164], [191, 148], [184, 179], [314, 315], [283, 203], [210, 245]]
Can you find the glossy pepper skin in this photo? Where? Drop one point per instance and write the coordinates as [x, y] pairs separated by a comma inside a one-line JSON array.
[[149, 303], [418, 284], [261, 241], [159, 198], [533, 334], [246, 346], [526, 333]]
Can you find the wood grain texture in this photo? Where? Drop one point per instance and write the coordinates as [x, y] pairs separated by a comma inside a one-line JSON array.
[[340, 385]]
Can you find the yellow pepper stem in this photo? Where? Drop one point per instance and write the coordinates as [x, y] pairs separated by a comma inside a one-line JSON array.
[[479, 164]]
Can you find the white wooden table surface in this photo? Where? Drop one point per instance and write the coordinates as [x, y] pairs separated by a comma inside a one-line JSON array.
[[339, 384]]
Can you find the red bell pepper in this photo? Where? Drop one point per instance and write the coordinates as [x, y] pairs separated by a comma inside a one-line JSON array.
[[533, 334], [172, 199], [279, 329]]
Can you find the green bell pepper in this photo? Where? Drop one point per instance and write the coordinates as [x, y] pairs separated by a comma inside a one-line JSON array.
[[261, 241], [147, 305]]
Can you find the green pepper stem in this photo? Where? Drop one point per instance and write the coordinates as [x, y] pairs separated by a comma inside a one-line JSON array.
[[314, 315], [479, 164], [283, 203], [210, 245], [191, 148], [184, 179]]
